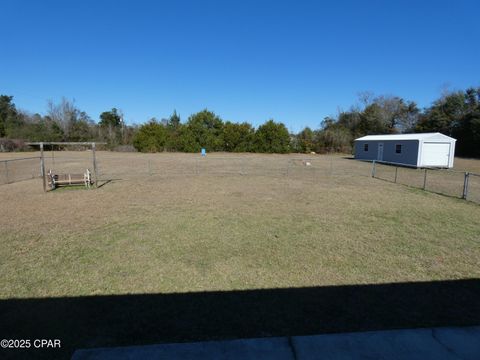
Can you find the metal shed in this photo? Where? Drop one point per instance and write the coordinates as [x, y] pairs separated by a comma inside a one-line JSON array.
[[417, 150]]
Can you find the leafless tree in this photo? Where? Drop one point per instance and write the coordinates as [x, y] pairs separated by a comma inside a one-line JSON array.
[[64, 114], [366, 97]]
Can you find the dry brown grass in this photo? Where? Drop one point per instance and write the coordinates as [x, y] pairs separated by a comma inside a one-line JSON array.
[[471, 165], [180, 223], [442, 181]]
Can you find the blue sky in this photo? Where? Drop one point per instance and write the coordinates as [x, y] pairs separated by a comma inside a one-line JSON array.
[[294, 61]]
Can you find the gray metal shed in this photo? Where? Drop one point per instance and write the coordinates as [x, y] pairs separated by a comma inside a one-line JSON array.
[[418, 150]]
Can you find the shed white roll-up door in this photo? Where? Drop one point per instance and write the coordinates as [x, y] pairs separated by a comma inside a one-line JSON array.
[[435, 154]]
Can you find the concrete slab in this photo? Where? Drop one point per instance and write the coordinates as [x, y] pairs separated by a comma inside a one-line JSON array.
[[417, 344], [407, 344], [266, 348]]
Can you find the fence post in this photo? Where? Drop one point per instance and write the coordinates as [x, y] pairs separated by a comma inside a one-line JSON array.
[[373, 169], [396, 172], [42, 167], [95, 164], [465, 186], [425, 179], [6, 171]]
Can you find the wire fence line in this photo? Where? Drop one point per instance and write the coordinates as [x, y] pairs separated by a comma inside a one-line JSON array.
[[14, 170], [225, 166], [26, 168], [459, 184], [454, 183]]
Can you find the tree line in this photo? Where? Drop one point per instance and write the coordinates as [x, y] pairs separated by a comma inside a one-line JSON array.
[[207, 130], [456, 114]]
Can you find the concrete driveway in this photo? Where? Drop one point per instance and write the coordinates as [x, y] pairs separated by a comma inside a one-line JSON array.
[[407, 344]]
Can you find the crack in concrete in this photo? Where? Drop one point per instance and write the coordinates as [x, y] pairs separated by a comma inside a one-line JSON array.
[[292, 346], [433, 332]]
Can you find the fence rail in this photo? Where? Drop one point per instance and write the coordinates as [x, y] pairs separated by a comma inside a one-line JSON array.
[[461, 184]]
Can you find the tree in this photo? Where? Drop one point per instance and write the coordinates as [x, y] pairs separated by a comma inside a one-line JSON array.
[[64, 114], [238, 137], [333, 139], [203, 130], [110, 119], [408, 118], [272, 137], [444, 115], [53, 131], [111, 125], [350, 120], [174, 120], [390, 111], [380, 115], [337, 136], [186, 141], [35, 128], [468, 135], [456, 114], [469, 132], [8, 114], [82, 128], [373, 121], [306, 140], [150, 137], [173, 127]]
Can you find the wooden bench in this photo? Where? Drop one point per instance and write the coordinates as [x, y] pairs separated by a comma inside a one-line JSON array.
[[56, 180]]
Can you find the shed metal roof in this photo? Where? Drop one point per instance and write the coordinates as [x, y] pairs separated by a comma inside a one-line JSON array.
[[416, 136]]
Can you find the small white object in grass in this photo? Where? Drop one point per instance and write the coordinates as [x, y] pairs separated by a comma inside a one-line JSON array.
[[307, 163]]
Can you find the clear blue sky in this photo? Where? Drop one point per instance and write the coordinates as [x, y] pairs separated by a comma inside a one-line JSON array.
[[294, 61]]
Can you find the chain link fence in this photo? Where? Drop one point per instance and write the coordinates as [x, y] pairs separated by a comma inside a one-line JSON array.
[[473, 193], [180, 165], [460, 184], [68, 162], [63, 162], [134, 166], [14, 170]]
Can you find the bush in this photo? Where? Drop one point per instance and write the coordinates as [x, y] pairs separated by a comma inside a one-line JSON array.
[[151, 137], [238, 137], [272, 137], [203, 130], [124, 148], [334, 139], [7, 145]]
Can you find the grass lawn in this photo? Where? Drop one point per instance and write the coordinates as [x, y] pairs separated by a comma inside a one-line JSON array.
[[308, 228]]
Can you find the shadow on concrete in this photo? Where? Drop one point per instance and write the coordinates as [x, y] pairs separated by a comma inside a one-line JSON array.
[[117, 320]]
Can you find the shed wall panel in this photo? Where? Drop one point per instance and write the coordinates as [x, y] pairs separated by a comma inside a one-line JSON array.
[[408, 155]]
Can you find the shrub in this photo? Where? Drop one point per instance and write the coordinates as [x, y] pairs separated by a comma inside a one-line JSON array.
[[272, 137], [151, 137], [238, 137], [203, 130], [7, 145]]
